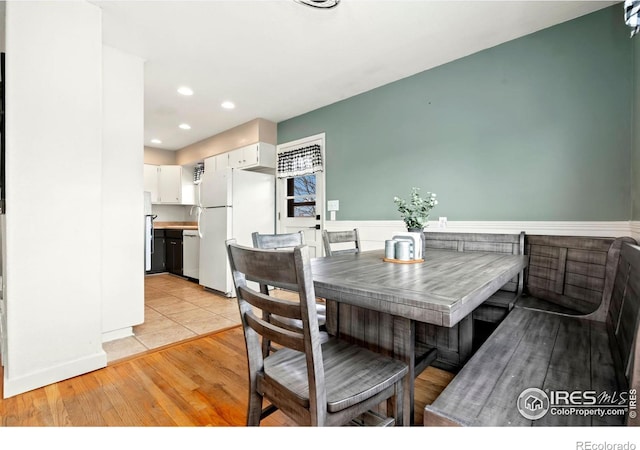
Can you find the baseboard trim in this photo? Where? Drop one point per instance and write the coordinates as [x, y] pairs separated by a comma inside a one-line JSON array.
[[15, 386], [374, 232], [108, 336]]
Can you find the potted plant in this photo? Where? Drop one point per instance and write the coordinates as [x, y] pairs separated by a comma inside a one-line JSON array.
[[415, 213]]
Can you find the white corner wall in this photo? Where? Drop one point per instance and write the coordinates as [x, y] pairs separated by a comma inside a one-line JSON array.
[[54, 185], [122, 194]]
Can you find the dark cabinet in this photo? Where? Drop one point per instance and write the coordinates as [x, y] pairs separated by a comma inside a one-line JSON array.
[[174, 251], [158, 259], [166, 255]]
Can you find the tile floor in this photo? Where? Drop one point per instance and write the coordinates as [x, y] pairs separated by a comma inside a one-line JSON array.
[[175, 309]]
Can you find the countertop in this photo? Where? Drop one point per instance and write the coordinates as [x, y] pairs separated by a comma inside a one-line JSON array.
[[175, 225]]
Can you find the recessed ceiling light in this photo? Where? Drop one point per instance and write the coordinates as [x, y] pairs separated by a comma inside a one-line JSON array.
[[228, 105], [320, 3], [156, 141], [185, 126], [184, 90]]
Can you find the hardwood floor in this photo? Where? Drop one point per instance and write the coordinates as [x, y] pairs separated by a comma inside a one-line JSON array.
[[200, 382]]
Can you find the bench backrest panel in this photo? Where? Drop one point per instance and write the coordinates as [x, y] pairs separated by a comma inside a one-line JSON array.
[[570, 271], [512, 244], [624, 309]]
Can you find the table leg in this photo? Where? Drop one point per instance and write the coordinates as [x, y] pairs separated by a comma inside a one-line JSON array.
[[332, 317], [404, 350]]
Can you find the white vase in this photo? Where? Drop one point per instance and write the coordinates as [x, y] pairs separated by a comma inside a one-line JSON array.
[[421, 231]]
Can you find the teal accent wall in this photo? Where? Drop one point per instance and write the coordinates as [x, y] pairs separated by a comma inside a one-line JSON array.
[[538, 128], [635, 193]]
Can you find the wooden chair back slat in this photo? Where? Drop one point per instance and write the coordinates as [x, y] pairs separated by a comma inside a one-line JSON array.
[[341, 237], [277, 241], [275, 305], [275, 333]]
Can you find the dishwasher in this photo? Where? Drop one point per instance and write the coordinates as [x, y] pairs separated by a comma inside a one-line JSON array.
[[190, 254]]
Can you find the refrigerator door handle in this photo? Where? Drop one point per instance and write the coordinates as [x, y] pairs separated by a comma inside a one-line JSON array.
[[199, 213]]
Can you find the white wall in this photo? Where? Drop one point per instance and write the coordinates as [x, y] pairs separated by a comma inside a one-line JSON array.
[[122, 194], [54, 184], [173, 213]]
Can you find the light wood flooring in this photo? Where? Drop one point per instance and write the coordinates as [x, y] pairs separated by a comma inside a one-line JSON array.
[[173, 378]]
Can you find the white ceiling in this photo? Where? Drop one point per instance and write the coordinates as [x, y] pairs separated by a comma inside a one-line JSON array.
[[277, 59]]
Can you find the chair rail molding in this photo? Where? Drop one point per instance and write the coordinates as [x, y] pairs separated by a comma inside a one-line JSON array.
[[373, 233]]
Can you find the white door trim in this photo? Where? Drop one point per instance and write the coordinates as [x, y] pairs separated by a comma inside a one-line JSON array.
[[320, 206]]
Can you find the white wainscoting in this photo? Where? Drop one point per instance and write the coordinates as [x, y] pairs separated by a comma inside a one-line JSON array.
[[373, 233], [635, 230]]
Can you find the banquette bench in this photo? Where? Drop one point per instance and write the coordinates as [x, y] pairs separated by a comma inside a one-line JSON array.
[[566, 274], [559, 338], [570, 274]]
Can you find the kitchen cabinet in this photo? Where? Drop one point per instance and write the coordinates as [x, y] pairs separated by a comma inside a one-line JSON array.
[[216, 162], [151, 181], [158, 260], [255, 156], [174, 251], [190, 254], [169, 184]]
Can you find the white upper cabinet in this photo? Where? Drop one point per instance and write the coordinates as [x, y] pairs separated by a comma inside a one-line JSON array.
[[216, 162], [172, 184], [260, 155], [151, 181]]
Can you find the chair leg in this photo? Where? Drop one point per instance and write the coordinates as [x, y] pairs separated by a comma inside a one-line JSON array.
[[254, 411], [397, 403]]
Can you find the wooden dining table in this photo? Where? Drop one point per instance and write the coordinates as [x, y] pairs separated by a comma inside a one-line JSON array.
[[378, 303]]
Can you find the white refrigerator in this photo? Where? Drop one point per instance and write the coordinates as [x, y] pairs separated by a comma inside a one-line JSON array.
[[233, 204]]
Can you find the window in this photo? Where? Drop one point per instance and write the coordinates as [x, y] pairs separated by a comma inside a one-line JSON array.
[[301, 196]]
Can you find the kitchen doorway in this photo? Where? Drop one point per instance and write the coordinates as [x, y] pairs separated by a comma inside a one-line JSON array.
[[300, 204]]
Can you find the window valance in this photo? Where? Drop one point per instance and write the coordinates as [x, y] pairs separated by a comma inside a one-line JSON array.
[[632, 15], [301, 161]]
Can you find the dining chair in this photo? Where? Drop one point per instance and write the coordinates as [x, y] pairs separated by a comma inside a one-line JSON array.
[[313, 383], [286, 241], [341, 237]]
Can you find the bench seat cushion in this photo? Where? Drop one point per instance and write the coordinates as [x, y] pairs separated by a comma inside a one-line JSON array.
[[529, 349]]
